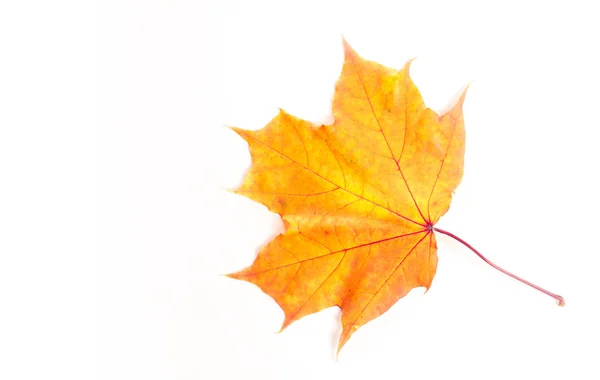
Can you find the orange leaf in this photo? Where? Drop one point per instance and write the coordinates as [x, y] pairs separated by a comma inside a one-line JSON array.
[[359, 198]]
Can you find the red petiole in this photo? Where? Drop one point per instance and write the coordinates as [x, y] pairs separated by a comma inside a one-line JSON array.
[[560, 299]]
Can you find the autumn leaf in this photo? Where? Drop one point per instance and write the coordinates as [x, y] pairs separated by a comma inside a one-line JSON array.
[[359, 198]]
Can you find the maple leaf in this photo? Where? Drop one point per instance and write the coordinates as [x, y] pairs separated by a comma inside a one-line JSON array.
[[359, 198]]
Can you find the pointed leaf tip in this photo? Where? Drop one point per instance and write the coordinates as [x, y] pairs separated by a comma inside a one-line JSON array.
[[237, 130], [243, 133], [407, 65], [456, 109], [284, 325], [348, 50], [461, 100]]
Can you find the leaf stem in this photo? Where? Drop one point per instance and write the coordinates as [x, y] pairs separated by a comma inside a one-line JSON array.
[[560, 299]]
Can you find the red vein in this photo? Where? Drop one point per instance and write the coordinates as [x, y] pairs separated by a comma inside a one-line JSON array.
[[354, 281], [303, 144], [333, 253], [560, 299], [289, 194], [336, 160], [291, 317], [388, 278], [327, 180], [292, 279], [385, 137], [440, 172]]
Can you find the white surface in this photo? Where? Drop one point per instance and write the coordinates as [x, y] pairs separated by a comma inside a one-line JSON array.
[[171, 74]]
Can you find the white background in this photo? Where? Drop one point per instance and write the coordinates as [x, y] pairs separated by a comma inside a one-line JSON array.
[[113, 241]]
